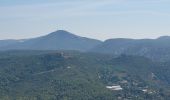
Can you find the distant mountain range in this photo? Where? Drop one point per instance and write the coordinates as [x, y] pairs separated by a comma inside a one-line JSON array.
[[59, 40], [157, 49]]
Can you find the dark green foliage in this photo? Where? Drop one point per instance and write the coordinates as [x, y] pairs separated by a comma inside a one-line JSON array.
[[67, 75]]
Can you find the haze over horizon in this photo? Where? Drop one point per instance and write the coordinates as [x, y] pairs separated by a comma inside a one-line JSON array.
[[57, 31], [95, 19]]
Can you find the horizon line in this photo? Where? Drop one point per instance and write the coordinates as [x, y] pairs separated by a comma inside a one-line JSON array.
[[27, 38]]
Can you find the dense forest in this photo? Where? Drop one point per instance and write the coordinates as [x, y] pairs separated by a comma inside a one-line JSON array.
[[70, 75]]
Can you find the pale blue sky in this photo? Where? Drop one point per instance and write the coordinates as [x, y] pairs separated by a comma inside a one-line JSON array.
[[100, 19]]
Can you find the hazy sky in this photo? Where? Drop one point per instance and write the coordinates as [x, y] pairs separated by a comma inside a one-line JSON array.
[[99, 19]]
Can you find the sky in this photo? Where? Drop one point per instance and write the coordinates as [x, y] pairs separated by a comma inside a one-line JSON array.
[[99, 19]]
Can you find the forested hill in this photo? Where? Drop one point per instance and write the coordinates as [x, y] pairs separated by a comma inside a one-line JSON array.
[[70, 75], [155, 49], [58, 40]]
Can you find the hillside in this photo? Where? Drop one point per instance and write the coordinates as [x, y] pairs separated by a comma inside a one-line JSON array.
[[71, 75], [156, 49], [59, 40], [8, 42]]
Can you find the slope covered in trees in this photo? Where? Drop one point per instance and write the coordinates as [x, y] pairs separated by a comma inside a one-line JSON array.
[[70, 75]]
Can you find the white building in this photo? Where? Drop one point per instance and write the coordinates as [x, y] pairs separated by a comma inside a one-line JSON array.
[[115, 87]]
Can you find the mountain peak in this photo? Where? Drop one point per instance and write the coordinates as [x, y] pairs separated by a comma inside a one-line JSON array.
[[61, 33], [58, 40]]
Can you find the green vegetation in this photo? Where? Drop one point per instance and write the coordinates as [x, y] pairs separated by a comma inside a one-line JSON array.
[[70, 75]]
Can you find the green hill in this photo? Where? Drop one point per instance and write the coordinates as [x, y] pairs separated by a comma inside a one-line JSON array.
[[70, 75]]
